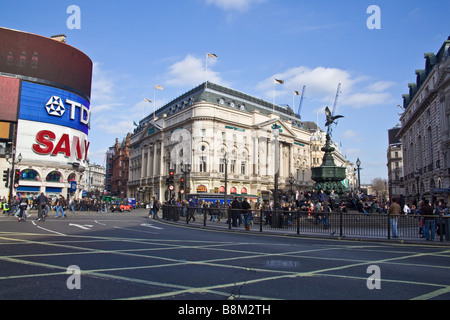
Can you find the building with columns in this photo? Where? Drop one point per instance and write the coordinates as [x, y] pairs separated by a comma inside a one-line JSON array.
[[425, 130], [200, 132]]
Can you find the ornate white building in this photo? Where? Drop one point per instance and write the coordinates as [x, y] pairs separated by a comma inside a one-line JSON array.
[[425, 129], [199, 132]]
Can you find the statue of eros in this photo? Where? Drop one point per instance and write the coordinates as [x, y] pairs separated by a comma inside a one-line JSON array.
[[331, 118]]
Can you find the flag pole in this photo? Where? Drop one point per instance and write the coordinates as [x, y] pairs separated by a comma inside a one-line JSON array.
[[143, 107], [275, 81], [154, 99], [273, 105], [208, 55]]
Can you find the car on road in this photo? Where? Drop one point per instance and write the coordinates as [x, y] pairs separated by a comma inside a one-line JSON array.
[[119, 205], [125, 207]]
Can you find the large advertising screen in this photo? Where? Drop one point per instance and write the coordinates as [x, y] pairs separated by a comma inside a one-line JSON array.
[[49, 143], [55, 106], [9, 98], [43, 58]]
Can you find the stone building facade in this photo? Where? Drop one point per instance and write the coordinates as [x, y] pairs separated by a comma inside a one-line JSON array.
[[425, 129]]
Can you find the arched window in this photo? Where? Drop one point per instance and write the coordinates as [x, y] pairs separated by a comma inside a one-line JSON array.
[[54, 176], [72, 177], [30, 175]]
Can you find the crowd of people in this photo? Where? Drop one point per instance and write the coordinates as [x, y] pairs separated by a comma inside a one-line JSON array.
[[317, 205], [241, 210], [21, 205], [429, 215]]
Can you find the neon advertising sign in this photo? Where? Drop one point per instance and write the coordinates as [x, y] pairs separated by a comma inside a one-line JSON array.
[[53, 122]]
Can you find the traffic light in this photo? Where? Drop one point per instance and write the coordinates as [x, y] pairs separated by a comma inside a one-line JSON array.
[[170, 181], [16, 176], [182, 184], [6, 177]]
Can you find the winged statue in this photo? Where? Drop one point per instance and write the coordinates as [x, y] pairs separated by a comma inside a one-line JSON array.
[[330, 117]]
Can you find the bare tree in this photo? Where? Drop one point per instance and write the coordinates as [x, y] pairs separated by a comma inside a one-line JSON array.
[[380, 187]]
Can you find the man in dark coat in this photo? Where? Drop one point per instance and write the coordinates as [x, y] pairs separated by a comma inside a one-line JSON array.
[[430, 223], [42, 202], [235, 211], [246, 211]]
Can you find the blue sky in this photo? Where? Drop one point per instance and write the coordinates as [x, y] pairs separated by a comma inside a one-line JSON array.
[[136, 45]]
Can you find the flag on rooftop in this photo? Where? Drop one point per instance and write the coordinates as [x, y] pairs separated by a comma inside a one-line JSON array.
[[278, 81]]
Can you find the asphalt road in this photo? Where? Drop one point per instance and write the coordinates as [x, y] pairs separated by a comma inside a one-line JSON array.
[[128, 256]]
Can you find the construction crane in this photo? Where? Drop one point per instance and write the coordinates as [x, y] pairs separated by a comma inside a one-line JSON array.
[[301, 102], [331, 117], [336, 99]]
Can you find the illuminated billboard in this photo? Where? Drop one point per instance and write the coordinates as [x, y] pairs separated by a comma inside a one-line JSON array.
[[43, 58], [49, 143], [9, 98], [55, 106]]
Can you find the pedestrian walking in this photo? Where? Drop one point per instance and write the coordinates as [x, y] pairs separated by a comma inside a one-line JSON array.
[[429, 220], [235, 211], [246, 211], [42, 202], [23, 204], [191, 211], [60, 204], [326, 209], [151, 213], [394, 211]]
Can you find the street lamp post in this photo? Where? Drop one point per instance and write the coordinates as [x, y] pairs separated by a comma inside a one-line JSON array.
[[417, 177], [225, 197], [291, 180], [11, 159], [276, 134], [358, 165], [186, 169]]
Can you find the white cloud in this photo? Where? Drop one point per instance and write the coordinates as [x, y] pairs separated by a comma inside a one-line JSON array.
[[235, 5], [191, 71], [321, 87], [365, 99], [102, 85], [380, 86]]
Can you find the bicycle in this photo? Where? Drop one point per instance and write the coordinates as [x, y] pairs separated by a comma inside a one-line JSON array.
[[42, 213], [23, 214]]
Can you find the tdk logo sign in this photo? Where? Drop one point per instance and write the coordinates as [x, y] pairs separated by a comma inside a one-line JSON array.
[[45, 104], [55, 107]]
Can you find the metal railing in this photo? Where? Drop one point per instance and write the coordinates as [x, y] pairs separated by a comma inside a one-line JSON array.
[[337, 224]]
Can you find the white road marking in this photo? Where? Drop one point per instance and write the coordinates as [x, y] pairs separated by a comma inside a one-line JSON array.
[[148, 225], [85, 226], [48, 230]]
